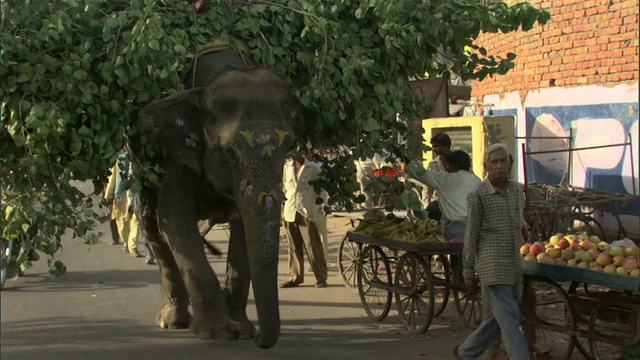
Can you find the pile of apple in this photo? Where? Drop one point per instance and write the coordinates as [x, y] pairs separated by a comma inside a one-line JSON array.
[[583, 251]]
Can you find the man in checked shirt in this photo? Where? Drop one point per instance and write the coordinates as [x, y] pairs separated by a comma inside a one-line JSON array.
[[491, 249]]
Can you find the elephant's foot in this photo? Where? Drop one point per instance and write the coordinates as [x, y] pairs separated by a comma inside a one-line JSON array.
[[173, 316], [248, 330], [210, 322]]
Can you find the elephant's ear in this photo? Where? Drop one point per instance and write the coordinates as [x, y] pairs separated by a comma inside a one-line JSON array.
[[175, 124]]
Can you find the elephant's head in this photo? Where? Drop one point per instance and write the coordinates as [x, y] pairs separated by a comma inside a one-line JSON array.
[[236, 132]]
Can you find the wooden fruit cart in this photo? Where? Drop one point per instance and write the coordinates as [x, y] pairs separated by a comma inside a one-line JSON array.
[[558, 208], [559, 316], [348, 252], [420, 276]]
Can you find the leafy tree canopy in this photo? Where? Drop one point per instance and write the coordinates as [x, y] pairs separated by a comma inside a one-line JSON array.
[[74, 73]]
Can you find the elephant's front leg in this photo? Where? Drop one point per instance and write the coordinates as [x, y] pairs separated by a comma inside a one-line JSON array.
[[236, 289], [174, 313], [177, 218]]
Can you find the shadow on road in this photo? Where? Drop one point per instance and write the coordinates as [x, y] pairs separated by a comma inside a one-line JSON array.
[[87, 339], [86, 280]]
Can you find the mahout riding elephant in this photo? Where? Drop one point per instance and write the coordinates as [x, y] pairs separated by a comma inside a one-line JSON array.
[[223, 145]]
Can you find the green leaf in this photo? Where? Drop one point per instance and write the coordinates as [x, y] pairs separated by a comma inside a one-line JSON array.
[[73, 89], [154, 44]]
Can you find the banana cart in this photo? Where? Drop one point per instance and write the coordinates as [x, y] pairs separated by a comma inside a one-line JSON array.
[[419, 276], [601, 320], [348, 252]]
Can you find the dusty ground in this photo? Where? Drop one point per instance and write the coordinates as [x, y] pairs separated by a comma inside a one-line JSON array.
[[104, 308]]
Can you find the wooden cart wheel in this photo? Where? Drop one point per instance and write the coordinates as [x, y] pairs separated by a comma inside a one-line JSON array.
[[374, 282], [348, 262], [602, 350], [551, 321], [413, 287], [441, 274], [468, 301]]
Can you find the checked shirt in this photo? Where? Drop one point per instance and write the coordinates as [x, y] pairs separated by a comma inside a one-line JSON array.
[[493, 236]]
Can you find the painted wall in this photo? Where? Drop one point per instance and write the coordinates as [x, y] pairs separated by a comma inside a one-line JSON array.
[[594, 116]]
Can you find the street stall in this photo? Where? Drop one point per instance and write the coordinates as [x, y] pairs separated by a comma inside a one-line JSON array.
[[600, 320], [407, 260], [582, 286], [582, 283]]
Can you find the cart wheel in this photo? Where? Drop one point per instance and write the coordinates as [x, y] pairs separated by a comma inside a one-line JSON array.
[[348, 262], [441, 274], [374, 282], [414, 296], [603, 350], [552, 318], [581, 319], [468, 301]]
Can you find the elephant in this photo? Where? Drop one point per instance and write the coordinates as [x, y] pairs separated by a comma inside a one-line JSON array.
[[222, 146]]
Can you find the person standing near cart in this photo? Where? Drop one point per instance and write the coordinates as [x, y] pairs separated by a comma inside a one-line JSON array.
[[441, 147], [491, 250], [453, 185]]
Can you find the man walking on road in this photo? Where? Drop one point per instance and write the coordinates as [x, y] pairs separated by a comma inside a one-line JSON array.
[[491, 249], [300, 215], [123, 202]]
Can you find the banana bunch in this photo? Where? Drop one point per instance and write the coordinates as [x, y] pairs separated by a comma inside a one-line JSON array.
[[375, 223]]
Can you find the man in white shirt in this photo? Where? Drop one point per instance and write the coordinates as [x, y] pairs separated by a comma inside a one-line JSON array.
[[300, 214], [453, 186], [441, 147]]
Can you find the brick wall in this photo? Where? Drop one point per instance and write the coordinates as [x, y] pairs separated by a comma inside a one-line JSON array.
[[586, 42]]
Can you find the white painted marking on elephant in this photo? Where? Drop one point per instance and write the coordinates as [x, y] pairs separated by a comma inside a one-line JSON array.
[[245, 188], [268, 202], [190, 143], [269, 243], [265, 140]]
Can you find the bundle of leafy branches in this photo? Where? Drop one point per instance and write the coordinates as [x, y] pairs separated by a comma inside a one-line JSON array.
[[74, 73]]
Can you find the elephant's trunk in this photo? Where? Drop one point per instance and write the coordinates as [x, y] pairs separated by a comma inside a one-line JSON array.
[[262, 229]]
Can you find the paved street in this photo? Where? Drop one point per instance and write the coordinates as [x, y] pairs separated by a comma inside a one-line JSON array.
[[105, 306]]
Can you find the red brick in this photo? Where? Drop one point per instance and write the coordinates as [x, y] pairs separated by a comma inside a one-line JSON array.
[[627, 76], [586, 42], [603, 70], [611, 30]]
